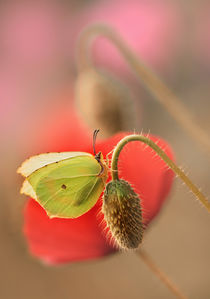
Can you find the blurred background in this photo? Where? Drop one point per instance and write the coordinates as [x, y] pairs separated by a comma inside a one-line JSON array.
[[39, 80]]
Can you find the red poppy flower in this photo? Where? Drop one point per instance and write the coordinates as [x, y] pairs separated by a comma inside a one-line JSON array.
[[63, 240]]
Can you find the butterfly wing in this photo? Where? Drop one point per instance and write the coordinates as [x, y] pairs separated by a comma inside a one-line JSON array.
[[66, 188], [35, 162]]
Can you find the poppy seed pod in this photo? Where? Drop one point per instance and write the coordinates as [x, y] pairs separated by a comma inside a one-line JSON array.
[[122, 212], [104, 102]]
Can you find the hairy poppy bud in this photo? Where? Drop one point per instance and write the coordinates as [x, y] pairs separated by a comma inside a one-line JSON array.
[[122, 212]]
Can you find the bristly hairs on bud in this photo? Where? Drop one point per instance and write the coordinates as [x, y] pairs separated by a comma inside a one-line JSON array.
[[122, 213]]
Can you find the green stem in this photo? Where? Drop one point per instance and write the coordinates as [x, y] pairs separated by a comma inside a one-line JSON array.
[[164, 157], [153, 84]]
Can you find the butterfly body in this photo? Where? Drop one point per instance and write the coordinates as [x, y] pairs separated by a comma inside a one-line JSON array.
[[65, 184]]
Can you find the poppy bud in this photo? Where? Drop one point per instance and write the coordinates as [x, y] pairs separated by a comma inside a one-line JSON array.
[[122, 212], [104, 102]]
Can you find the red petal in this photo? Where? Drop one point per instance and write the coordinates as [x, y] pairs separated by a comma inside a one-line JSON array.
[[63, 240]]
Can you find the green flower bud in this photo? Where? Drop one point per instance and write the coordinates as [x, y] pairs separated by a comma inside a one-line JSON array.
[[122, 212]]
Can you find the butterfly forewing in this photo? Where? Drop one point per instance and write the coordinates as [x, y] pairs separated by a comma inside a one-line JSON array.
[[68, 188], [41, 160]]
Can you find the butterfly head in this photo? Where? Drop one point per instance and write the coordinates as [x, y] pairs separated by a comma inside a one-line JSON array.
[[98, 156]]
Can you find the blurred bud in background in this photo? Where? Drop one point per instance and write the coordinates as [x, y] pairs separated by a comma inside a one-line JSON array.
[[105, 103]]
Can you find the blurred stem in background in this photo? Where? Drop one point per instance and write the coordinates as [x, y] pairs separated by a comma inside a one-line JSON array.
[[153, 84], [145, 257]]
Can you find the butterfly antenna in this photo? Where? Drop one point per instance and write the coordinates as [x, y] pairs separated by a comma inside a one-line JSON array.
[[95, 133]]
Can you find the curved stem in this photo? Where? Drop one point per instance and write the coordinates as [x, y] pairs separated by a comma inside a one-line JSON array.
[[164, 157], [153, 84], [160, 274]]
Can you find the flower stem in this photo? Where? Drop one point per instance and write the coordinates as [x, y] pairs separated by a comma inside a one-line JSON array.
[[160, 274], [153, 84], [164, 157]]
